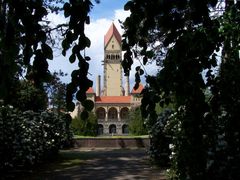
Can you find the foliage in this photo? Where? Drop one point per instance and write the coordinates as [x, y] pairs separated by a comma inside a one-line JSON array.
[[136, 123], [77, 11], [28, 97], [56, 91], [25, 39], [85, 127], [185, 39], [161, 139], [29, 137]]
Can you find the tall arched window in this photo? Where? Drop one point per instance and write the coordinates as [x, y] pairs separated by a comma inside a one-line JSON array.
[[124, 113], [112, 57], [125, 129], [101, 113], [112, 129], [112, 113]]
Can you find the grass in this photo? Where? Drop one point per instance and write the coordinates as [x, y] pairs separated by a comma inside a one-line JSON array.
[[110, 137]]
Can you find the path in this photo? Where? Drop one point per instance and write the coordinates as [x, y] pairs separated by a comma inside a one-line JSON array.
[[105, 164]]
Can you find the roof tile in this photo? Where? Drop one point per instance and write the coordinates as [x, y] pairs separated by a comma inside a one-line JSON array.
[[138, 90], [112, 31], [90, 91], [113, 99]]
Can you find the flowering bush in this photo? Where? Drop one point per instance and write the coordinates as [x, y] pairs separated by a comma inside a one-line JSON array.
[[161, 139], [29, 137]]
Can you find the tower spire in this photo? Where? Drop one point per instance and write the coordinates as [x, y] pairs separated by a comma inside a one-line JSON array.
[[112, 31], [112, 62]]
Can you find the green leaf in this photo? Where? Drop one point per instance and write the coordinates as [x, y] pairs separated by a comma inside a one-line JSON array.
[[72, 58], [75, 49], [42, 36], [67, 9], [150, 54], [128, 5], [88, 105], [136, 86], [75, 73], [63, 52], [84, 115], [145, 60], [65, 45], [27, 52], [137, 68], [88, 20], [47, 51], [70, 106], [81, 96], [87, 58], [88, 42], [141, 72]]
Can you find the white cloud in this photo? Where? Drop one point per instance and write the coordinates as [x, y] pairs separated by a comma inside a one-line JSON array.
[[95, 31]]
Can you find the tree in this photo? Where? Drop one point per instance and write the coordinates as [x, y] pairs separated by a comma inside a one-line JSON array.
[[136, 123], [185, 39], [56, 91], [28, 97], [85, 127], [23, 37], [24, 44]]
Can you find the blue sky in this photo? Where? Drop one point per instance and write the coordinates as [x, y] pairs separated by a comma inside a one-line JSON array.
[[105, 9], [102, 16]]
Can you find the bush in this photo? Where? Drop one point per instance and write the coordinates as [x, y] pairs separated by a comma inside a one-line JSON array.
[[29, 137], [86, 127], [161, 139], [136, 123]]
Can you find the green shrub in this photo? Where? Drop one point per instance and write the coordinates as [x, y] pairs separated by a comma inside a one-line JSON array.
[[136, 123], [161, 139], [29, 137], [86, 127]]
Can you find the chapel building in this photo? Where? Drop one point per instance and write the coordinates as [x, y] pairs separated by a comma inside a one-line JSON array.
[[113, 101]]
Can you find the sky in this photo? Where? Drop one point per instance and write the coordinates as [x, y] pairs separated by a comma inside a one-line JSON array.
[[101, 17]]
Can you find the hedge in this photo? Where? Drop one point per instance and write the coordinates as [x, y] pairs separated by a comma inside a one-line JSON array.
[[29, 137]]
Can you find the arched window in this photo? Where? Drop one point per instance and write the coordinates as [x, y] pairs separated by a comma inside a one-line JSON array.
[[101, 113], [125, 129], [112, 113], [100, 129], [117, 56], [112, 129], [112, 56], [124, 113]]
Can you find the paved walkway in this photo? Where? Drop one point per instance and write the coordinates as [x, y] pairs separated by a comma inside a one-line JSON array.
[[105, 164]]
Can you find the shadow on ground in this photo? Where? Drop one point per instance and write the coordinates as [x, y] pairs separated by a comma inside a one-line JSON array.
[[105, 164]]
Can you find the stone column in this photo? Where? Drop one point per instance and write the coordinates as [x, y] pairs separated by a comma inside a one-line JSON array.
[[119, 128], [98, 86], [105, 128], [106, 117], [118, 113]]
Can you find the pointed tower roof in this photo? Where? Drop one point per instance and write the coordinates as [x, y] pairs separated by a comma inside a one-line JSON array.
[[112, 31]]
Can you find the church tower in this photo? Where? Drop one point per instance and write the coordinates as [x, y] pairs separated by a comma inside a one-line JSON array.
[[112, 63]]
